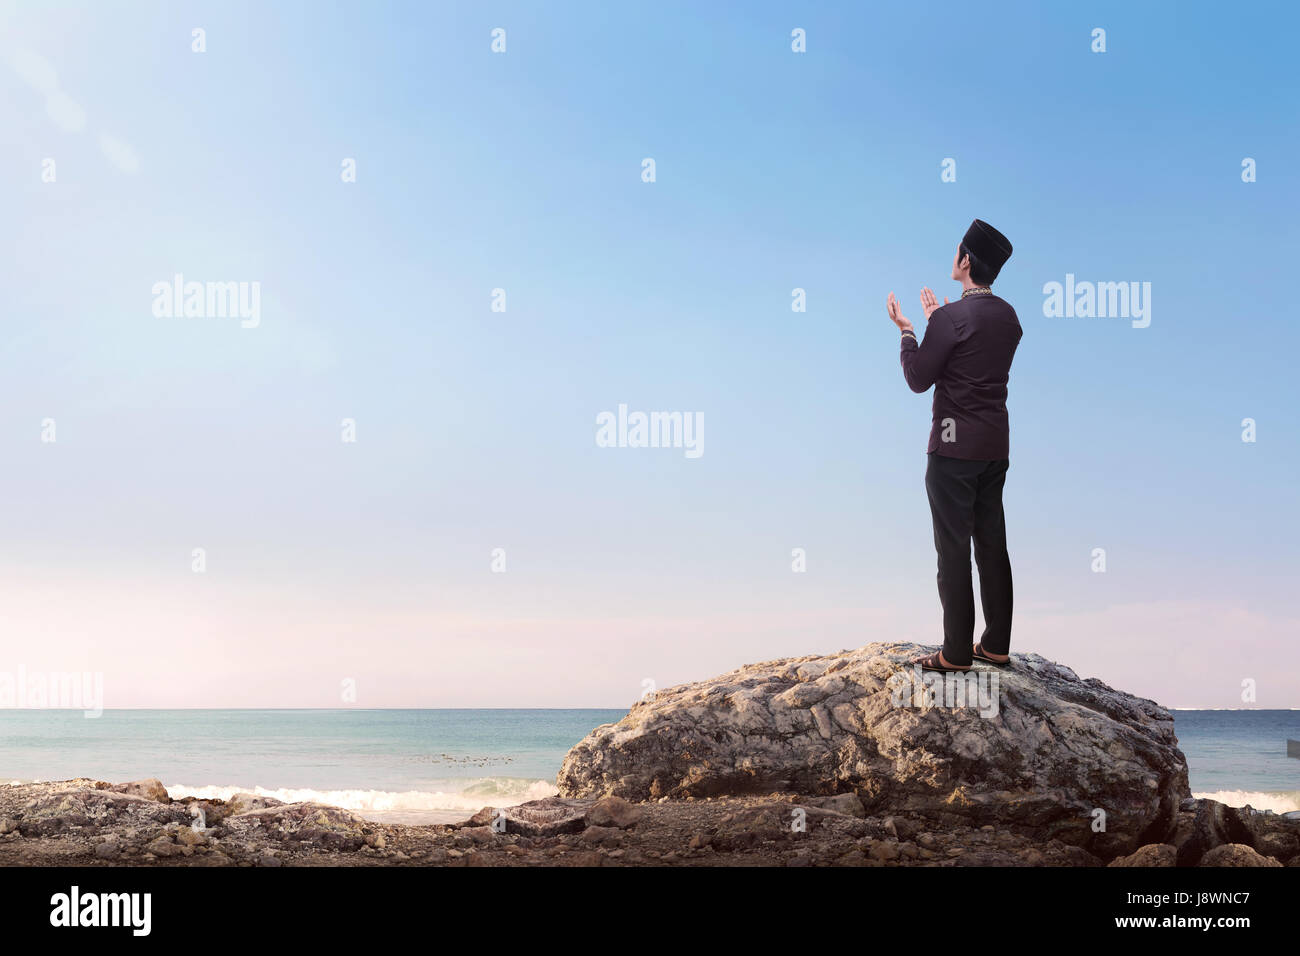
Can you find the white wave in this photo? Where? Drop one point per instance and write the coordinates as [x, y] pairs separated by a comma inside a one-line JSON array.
[[497, 792], [1280, 802]]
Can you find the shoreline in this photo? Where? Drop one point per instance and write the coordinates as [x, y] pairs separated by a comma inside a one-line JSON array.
[[394, 813]]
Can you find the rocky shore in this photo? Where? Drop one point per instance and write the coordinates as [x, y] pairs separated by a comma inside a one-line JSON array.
[[92, 823], [848, 759]]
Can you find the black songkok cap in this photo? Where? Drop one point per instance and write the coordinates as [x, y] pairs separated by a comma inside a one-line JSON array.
[[987, 245]]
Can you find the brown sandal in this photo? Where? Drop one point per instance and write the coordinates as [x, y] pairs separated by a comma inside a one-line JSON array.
[[931, 662], [977, 652]]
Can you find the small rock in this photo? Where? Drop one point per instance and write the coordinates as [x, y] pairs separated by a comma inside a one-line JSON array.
[[1153, 854], [191, 837], [884, 850], [613, 812], [150, 789], [1236, 854], [598, 835], [847, 803], [248, 802], [162, 846]]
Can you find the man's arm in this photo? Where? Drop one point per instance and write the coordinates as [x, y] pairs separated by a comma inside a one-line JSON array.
[[923, 362]]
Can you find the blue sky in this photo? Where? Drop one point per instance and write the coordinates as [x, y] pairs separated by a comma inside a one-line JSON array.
[[475, 429]]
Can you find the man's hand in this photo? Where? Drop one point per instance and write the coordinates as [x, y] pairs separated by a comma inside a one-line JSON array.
[[896, 314], [929, 303]]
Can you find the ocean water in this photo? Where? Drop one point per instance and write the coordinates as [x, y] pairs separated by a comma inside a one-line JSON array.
[[435, 766], [397, 766], [1238, 757]]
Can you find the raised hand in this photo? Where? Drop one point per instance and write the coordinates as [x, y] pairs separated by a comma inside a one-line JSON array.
[[896, 313], [929, 303]]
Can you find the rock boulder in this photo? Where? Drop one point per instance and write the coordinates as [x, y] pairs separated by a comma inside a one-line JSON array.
[[1043, 751]]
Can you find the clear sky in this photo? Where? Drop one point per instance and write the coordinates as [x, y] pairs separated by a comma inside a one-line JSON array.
[[475, 430]]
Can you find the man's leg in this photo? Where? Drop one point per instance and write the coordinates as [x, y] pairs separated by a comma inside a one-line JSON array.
[[991, 557], [951, 484]]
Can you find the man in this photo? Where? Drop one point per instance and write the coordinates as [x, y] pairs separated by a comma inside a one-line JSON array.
[[966, 355]]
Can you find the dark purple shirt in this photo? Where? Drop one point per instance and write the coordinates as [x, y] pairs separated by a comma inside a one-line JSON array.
[[966, 355]]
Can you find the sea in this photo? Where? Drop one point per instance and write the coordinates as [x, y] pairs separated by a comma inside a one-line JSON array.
[[440, 766]]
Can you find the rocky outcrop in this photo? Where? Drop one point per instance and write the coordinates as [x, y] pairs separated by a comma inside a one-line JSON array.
[[1042, 751], [138, 822], [86, 823], [1204, 826], [328, 827], [1214, 825], [56, 812]]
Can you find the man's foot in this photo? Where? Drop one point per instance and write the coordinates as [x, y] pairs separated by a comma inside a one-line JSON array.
[[936, 662], [997, 660]]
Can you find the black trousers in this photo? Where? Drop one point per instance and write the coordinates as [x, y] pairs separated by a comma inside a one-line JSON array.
[[966, 504]]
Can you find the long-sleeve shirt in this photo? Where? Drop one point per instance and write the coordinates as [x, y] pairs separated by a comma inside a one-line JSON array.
[[966, 355]]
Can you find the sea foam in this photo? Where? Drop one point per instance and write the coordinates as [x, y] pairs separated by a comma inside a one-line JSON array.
[[1278, 802], [496, 791]]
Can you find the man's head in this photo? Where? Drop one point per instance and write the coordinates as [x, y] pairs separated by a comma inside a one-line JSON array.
[[981, 254]]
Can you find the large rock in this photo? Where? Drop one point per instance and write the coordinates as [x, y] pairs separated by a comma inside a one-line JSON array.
[[329, 827], [1214, 825], [547, 817], [150, 789], [1057, 750], [57, 812], [215, 812]]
